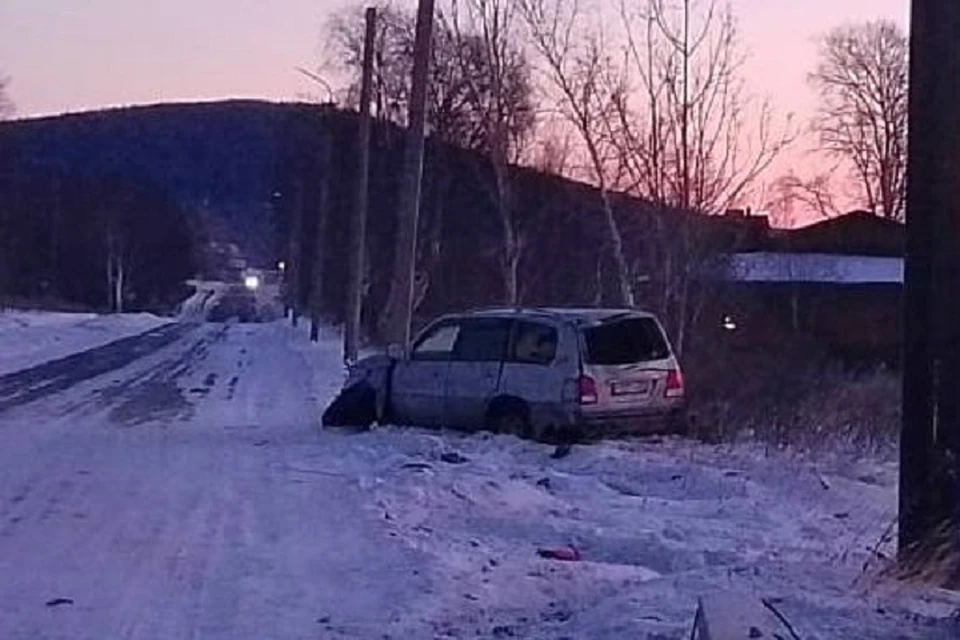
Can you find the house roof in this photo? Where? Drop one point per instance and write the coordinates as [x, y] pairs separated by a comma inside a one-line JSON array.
[[857, 233]]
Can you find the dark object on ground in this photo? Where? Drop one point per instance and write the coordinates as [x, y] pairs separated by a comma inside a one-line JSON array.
[[567, 554], [356, 406], [56, 602], [562, 451], [452, 457]]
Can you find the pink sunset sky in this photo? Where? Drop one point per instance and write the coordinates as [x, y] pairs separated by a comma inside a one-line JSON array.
[[73, 55]]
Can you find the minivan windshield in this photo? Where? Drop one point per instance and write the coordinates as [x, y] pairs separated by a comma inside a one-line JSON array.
[[625, 341]]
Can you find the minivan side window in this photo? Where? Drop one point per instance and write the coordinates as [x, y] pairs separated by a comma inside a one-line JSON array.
[[482, 340], [534, 343], [438, 343]]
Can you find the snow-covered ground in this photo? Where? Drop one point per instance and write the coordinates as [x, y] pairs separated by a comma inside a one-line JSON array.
[[192, 494], [29, 338]]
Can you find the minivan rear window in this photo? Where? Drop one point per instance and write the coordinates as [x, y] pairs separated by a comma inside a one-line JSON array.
[[625, 341]]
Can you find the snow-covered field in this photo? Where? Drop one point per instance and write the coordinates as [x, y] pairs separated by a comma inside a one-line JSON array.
[[29, 338], [192, 494]]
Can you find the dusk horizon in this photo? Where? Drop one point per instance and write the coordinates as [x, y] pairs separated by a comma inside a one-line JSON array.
[[61, 59]]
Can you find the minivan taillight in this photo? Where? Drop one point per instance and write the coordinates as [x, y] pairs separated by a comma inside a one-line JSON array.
[[674, 388], [587, 390]]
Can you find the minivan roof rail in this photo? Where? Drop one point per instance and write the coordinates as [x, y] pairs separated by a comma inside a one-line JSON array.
[[567, 313]]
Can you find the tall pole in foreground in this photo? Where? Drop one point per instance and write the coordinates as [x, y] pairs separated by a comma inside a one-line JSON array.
[[930, 437], [400, 304], [358, 228]]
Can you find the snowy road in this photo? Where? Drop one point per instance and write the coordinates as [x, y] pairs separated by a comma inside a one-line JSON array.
[[177, 486], [163, 500]]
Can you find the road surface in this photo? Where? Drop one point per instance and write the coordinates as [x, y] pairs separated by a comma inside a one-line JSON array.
[[149, 490]]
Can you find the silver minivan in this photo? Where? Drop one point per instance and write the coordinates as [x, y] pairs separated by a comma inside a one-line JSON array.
[[538, 372]]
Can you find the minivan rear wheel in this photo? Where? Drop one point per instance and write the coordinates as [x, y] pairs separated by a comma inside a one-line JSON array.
[[679, 424], [510, 420]]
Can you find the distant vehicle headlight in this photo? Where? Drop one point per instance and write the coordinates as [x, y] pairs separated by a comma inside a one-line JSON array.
[[252, 283]]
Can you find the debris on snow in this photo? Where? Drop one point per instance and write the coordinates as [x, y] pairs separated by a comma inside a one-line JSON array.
[[452, 457], [568, 553], [57, 602]]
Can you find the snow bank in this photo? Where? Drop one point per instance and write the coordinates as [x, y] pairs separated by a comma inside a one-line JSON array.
[[29, 338], [658, 523]]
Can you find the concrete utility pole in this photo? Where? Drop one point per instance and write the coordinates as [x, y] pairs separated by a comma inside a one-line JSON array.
[[358, 228], [400, 304], [930, 440]]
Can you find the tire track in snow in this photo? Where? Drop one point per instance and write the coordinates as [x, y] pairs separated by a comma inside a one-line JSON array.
[[44, 380]]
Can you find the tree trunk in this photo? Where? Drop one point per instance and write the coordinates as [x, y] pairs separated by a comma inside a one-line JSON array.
[[512, 246], [110, 289], [111, 272], [511, 264], [624, 286], [598, 283], [318, 291], [429, 247], [119, 282], [294, 266]]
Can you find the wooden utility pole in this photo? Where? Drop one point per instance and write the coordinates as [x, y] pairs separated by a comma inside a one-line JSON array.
[[399, 311], [317, 290], [358, 228], [930, 439]]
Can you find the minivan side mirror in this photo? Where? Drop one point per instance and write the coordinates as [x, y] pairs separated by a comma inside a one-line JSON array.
[[396, 351]]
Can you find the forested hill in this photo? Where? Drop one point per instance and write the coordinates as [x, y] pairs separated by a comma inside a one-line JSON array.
[[216, 161], [155, 183]]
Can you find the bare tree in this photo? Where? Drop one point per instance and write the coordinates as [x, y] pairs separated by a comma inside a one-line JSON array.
[[663, 113], [862, 82], [496, 77], [343, 37], [690, 135], [792, 197], [453, 113], [479, 98], [689, 138], [578, 69], [551, 153]]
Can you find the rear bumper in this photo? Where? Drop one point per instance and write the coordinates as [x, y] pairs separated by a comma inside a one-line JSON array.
[[672, 420]]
